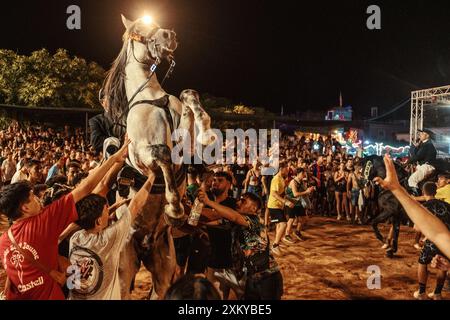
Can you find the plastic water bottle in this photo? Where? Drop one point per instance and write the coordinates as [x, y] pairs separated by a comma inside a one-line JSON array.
[[196, 212]]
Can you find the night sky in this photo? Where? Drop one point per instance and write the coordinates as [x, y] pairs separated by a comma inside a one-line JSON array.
[[262, 53]]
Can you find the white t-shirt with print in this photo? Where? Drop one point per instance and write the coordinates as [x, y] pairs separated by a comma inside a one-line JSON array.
[[96, 257]]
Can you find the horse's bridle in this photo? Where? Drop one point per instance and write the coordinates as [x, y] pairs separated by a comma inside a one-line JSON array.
[[159, 185], [367, 168], [147, 41]]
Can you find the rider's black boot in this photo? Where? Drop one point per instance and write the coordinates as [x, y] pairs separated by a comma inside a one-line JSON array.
[[415, 192]]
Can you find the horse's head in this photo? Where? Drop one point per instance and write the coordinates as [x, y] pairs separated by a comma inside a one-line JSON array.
[[149, 41], [373, 166]]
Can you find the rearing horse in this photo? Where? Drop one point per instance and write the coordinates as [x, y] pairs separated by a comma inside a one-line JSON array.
[[388, 205], [135, 98]]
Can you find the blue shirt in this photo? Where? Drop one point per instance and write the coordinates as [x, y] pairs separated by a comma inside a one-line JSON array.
[[54, 171]]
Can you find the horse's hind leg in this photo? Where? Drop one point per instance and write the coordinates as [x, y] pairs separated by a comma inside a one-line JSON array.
[[161, 262], [190, 98], [128, 268]]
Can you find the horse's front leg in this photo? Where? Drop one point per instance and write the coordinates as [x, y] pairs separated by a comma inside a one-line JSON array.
[[396, 223], [174, 211], [383, 216], [187, 124], [191, 99]]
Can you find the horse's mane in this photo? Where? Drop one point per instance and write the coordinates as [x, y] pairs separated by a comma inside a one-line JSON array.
[[116, 101], [401, 172]]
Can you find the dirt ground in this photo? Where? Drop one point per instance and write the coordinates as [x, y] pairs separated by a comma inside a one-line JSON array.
[[332, 265]]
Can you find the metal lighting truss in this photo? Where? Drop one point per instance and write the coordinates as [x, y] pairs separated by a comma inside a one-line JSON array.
[[421, 99]]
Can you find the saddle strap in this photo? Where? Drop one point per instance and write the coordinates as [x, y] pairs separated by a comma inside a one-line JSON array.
[[159, 186], [162, 103]]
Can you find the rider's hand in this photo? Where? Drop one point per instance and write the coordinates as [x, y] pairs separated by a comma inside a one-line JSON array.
[[440, 263], [391, 181], [122, 154]]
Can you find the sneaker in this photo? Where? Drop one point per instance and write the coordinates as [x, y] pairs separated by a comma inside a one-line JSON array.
[[420, 296], [417, 246], [288, 239], [349, 219], [276, 250], [339, 218], [299, 235], [435, 296], [385, 246]]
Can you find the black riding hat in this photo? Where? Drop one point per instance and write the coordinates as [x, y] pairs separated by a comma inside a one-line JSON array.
[[429, 132]]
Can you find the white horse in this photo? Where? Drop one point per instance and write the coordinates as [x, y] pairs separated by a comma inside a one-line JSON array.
[[135, 97]]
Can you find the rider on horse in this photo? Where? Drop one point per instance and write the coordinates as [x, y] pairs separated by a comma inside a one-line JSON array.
[[425, 156]]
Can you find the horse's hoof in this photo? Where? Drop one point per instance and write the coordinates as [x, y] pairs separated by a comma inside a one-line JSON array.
[[390, 253], [174, 222]]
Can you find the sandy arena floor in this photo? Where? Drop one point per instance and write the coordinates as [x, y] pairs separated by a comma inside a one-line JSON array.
[[332, 264]]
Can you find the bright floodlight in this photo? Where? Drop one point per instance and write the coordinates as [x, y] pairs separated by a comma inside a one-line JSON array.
[[147, 19]]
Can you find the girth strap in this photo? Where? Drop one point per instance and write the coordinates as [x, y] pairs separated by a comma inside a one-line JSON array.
[[162, 103], [159, 186]]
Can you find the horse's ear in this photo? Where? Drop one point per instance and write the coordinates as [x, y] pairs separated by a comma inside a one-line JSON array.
[[127, 23]]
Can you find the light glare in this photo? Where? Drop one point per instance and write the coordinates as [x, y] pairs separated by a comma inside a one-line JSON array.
[[147, 19]]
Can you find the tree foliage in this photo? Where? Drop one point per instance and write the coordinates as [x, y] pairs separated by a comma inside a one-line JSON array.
[[219, 105], [43, 79]]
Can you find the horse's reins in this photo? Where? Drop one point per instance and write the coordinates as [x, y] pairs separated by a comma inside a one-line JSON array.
[[179, 177], [156, 61]]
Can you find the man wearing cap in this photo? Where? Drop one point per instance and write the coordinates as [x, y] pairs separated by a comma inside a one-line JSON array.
[[424, 156]]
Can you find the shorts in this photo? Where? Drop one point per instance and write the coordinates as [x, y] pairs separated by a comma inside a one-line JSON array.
[[267, 288], [182, 249], [277, 215], [198, 257], [297, 211], [428, 252], [228, 278], [355, 197], [256, 190]]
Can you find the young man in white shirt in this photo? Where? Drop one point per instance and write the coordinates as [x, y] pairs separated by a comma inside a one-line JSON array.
[[95, 250]]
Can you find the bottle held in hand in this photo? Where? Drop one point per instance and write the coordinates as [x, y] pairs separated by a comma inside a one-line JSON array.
[[196, 212]]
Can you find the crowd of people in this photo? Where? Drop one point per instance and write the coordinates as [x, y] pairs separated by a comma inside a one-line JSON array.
[[57, 194], [38, 154]]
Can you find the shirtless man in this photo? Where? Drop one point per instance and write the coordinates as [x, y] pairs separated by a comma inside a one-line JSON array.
[[353, 191]]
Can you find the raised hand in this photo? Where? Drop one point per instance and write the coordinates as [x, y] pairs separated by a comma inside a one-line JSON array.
[[391, 181], [122, 154], [202, 196]]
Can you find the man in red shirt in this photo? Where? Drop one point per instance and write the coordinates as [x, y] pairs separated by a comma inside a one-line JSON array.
[[36, 230]]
